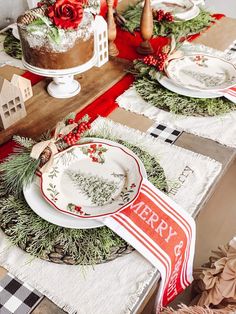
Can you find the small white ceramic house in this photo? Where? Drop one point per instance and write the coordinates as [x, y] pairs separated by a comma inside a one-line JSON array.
[[12, 107], [101, 40], [24, 85]]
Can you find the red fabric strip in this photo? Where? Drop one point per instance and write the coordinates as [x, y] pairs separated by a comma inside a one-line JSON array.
[[105, 104]]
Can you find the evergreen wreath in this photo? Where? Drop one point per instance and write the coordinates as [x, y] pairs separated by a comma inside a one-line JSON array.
[[155, 94], [12, 46], [50, 242], [131, 22]]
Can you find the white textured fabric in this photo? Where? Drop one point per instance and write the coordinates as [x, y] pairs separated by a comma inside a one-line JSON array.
[[114, 287], [221, 129]]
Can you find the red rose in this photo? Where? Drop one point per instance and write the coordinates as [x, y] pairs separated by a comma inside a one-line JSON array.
[[66, 14]]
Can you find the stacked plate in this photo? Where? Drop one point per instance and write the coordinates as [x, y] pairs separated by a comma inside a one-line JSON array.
[[199, 75], [85, 183], [182, 10]]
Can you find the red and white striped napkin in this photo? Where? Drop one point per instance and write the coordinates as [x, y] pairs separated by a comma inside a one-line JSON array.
[[163, 233], [230, 93]]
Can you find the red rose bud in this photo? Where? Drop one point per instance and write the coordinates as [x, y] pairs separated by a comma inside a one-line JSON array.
[[66, 14]]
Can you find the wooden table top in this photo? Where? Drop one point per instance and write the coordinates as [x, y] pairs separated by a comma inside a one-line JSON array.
[[44, 111]]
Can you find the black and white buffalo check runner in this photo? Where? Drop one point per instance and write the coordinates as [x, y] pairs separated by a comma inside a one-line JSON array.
[[17, 297], [164, 133]]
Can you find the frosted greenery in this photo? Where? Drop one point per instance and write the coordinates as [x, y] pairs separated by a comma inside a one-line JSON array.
[[43, 239], [151, 91], [133, 14]]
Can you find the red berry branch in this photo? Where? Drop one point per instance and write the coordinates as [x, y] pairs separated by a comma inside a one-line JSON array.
[[157, 61], [75, 135], [162, 16]]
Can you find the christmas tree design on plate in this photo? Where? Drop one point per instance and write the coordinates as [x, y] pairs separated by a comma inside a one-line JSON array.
[[98, 190]]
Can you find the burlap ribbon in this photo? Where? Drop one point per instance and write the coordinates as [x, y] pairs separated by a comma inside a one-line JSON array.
[[38, 148]]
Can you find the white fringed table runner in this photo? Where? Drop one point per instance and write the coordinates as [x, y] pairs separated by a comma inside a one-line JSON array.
[[221, 129], [115, 287]]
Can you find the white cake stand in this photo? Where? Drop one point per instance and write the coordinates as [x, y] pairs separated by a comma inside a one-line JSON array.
[[63, 85]]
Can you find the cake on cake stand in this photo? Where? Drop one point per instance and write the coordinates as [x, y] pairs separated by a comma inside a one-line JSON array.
[[64, 85]]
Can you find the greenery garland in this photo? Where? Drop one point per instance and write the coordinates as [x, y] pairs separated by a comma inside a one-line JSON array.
[[151, 91], [181, 28], [50, 242], [12, 46]]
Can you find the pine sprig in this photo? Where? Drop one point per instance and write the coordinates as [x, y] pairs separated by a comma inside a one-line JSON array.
[[18, 170]]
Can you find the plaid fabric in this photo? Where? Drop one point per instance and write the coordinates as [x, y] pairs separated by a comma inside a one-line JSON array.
[[164, 133], [17, 297]]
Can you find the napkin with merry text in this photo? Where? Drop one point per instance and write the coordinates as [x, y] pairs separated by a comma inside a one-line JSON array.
[[163, 233]]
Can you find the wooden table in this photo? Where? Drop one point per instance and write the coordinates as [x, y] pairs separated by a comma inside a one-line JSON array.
[[44, 111]]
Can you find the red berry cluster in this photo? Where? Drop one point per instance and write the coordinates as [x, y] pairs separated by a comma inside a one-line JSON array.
[[74, 136], [161, 16], [158, 61]]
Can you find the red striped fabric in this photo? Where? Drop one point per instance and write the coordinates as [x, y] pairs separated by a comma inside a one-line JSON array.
[[163, 233]]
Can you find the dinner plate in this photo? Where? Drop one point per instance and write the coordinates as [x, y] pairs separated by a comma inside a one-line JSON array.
[[202, 72], [92, 180], [169, 84], [180, 9], [43, 209]]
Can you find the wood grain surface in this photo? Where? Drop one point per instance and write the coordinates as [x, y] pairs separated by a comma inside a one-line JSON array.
[[44, 111]]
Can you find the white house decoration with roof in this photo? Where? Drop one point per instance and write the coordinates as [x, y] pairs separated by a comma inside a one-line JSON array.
[[24, 85], [12, 107]]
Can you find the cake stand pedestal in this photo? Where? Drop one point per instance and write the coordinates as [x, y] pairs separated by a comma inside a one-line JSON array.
[[63, 85]]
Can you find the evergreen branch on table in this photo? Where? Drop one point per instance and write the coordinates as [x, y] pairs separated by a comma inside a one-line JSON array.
[[12, 46], [18, 170], [24, 141], [181, 28], [158, 96]]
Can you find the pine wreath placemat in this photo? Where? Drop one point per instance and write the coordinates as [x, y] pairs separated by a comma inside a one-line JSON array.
[[12, 46], [158, 96], [181, 28], [50, 242]]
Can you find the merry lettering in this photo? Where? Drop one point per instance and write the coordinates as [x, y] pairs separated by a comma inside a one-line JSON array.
[[161, 227]]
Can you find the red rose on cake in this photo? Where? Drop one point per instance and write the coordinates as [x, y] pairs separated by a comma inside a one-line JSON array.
[[66, 14]]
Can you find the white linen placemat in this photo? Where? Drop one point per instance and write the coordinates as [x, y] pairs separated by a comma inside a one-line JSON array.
[[221, 129], [114, 287]]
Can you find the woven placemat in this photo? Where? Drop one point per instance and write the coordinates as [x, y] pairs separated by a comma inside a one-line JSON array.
[[60, 245]]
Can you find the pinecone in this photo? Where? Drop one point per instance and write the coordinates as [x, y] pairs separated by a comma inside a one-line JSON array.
[[45, 156], [30, 16]]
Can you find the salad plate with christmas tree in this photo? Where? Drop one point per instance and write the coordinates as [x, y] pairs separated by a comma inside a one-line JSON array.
[[202, 72], [93, 179], [180, 9]]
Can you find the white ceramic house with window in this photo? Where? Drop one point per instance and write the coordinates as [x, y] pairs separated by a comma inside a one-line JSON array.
[[24, 85], [12, 106]]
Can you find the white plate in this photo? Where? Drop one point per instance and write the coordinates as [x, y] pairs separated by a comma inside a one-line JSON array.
[[180, 9], [169, 84], [92, 180], [38, 204], [202, 72]]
